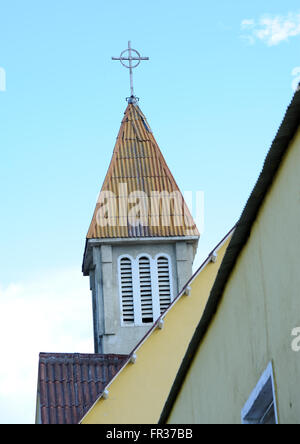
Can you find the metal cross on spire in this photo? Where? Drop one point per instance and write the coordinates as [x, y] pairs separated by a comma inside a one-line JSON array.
[[127, 55]]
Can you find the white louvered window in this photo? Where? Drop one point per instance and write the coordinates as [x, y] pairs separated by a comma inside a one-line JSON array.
[[126, 287], [164, 283], [146, 297], [145, 288]]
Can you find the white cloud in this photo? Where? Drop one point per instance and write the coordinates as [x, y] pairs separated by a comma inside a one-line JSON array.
[[247, 23], [51, 314], [272, 30]]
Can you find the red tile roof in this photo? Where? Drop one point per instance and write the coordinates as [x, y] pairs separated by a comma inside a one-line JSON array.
[[69, 383]]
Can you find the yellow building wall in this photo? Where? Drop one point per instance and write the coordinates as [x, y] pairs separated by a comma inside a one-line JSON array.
[[253, 324], [138, 393]]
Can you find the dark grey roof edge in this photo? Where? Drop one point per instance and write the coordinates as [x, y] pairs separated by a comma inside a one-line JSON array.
[[240, 236]]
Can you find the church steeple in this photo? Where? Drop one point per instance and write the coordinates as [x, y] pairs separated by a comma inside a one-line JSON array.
[[142, 239], [139, 196], [141, 242]]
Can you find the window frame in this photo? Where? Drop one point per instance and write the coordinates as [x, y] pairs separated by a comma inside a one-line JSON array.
[[257, 392]]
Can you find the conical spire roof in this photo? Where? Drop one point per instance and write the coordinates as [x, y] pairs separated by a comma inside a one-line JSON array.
[[139, 196]]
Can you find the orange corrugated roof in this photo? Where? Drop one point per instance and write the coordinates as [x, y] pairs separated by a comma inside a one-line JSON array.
[[138, 166]]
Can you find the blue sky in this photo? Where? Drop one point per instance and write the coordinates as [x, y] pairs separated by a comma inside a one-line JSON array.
[[214, 91]]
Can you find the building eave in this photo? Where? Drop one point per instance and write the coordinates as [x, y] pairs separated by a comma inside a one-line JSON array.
[[90, 243]]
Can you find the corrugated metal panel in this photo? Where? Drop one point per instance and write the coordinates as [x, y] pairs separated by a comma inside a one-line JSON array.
[[138, 165], [71, 383]]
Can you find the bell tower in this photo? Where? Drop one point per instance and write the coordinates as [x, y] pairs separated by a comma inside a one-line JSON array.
[[142, 238]]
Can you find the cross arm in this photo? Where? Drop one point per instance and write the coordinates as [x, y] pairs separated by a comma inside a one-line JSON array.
[[131, 58]]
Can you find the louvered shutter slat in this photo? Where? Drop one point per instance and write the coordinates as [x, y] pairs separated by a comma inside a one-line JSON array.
[[145, 290], [164, 285], [126, 291]]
